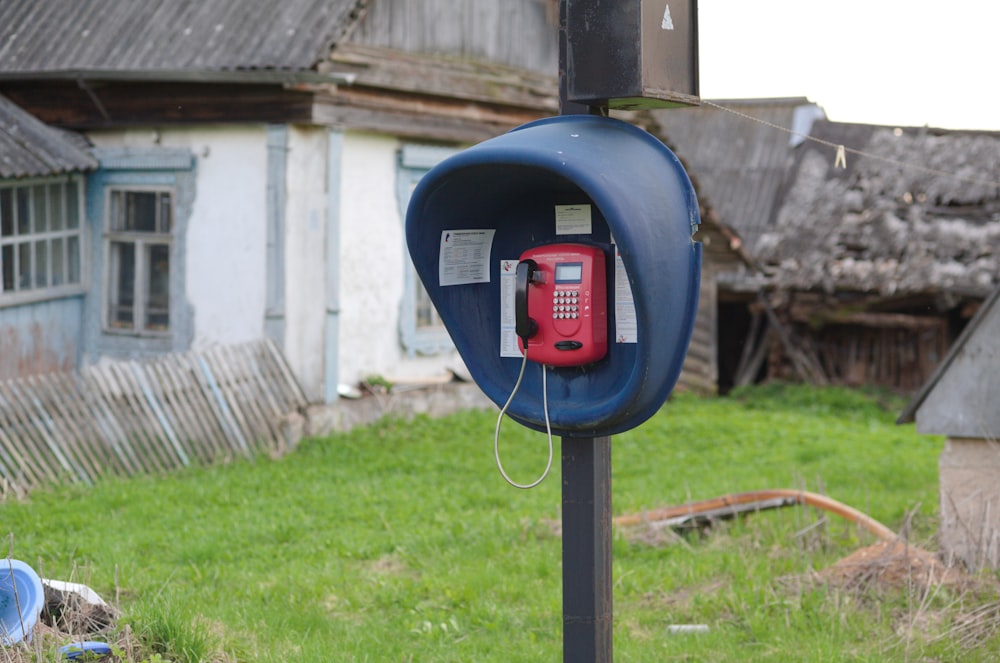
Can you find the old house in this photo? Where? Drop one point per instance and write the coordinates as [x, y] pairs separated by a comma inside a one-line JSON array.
[[247, 170], [960, 401]]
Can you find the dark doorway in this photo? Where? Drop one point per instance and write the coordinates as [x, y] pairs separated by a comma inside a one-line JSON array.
[[736, 326]]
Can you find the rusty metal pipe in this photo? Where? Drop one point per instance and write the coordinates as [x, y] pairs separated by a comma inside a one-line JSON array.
[[793, 496]]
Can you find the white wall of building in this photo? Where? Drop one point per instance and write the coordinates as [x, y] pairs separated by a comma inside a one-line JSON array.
[[226, 238], [371, 252], [224, 249], [372, 267], [305, 255]]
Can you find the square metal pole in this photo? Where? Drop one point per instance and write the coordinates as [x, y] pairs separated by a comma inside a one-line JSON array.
[[588, 614], [586, 499]]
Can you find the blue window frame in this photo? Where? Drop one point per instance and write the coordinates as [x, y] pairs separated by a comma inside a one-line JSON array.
[[139, 203], [41, 239], [421, 330]]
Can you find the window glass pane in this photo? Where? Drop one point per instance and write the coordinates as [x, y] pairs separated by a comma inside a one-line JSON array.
[[116, 211], [158, 284], [58, 262], [6, 213], [136, 211], [426, 313], [166, 213], [73, 259], [121, 286], [56, 211], [24, 266], [23, 211], [72, 205], [40, 210], [7, 267], [41, 264]]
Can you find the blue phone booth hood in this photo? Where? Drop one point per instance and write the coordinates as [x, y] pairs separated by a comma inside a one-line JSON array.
[[640, 197]]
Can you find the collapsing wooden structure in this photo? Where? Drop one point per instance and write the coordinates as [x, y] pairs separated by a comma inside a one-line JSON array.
[[867, 268], [877, 266], [127, 417]]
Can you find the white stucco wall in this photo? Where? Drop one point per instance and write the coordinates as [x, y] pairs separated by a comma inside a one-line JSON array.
[[372, 267], [226, 239], [305, 255], [224, 249]]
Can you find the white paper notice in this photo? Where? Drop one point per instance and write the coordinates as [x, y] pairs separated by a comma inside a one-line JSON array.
[[465, 256], [625, 321], [573, 220], [508, 321]]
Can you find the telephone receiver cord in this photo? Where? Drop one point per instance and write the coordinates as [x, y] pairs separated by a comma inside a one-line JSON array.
[[548, 427]]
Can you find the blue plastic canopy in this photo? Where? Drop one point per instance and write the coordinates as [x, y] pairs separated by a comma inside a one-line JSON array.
[[640, 198]]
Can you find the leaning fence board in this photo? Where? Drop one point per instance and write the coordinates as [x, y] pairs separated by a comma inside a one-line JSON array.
[[33, 443], [229, 398], [152, 415], [179, 413], [140, 429], [111, 427], [232, 384], [273, 410], [25, 470], [65, 429], [266, 428], [208, 430]]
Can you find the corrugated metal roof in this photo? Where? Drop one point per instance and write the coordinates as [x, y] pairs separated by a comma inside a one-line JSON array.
[[29, 148], [48, 36], [740, 164]]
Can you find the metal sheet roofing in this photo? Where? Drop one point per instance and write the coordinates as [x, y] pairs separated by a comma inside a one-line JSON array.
[[29, 148], [58, 36], [740, 164]]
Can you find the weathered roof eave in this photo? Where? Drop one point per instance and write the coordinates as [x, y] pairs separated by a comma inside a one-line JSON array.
[[30, 148], [233, 76]]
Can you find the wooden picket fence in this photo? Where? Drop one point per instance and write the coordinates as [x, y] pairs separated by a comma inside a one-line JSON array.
[[128, 417]]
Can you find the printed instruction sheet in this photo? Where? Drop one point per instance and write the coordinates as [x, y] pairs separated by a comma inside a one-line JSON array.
[[465, 256]]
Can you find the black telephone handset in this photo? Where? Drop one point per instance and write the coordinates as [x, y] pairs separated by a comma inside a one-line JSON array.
[[524, 326]]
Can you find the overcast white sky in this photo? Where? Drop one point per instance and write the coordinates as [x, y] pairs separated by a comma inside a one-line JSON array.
[[893, 62]]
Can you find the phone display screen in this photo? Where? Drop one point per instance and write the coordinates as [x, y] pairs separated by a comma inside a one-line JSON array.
[[569, 272]]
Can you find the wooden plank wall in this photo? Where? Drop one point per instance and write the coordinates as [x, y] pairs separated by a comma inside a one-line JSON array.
[[517, 33], [129, 417], [701, 365]]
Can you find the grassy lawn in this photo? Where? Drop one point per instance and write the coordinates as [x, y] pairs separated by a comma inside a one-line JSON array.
[[400, 542]]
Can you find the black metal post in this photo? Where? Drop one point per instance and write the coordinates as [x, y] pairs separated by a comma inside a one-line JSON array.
[[588, 614]]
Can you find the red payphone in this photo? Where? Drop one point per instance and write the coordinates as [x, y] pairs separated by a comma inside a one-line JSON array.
[[561, 310]]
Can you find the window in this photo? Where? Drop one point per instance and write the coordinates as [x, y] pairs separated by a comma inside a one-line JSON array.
[[138, 239], [41, 245], [421, 329]]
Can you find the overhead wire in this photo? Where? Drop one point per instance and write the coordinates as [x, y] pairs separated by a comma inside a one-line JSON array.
[[843, 149]]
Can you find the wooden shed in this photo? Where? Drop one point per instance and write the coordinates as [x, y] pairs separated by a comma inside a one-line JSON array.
[[877, 262], [960, 401]]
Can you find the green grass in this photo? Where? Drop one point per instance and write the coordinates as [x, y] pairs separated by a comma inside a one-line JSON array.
[[400, 542]]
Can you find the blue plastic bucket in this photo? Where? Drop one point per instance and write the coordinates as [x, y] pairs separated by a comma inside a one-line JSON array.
[[19, 611]]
